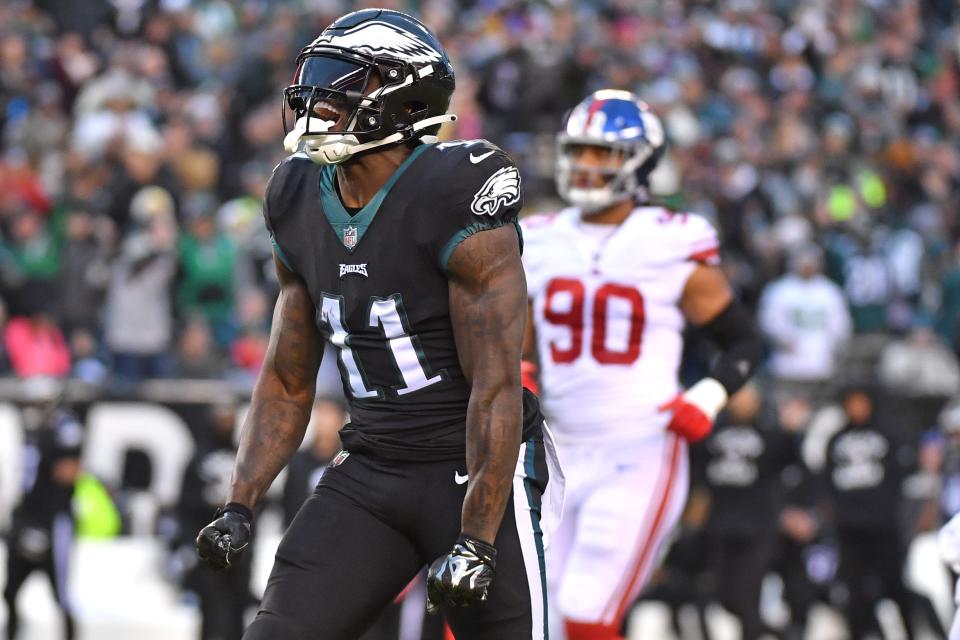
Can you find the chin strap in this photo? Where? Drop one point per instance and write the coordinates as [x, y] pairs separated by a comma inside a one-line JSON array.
[[334, 148]]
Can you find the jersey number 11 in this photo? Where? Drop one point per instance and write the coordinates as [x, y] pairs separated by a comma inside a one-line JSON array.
[[386, 313]]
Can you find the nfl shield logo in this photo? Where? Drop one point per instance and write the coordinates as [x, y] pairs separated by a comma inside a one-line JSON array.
[[350, 237], [339, 458]]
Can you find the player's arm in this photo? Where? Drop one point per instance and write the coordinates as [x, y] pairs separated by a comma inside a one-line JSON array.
[[488, 294], [284, 393], [277, 419], [708, 303]]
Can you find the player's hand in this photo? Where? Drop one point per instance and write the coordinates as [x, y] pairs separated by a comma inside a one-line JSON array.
[[695, 409], [221, 542], [462, 576]]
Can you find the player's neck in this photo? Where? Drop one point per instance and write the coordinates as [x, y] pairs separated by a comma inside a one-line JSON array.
[[614, 214], [360, 179]]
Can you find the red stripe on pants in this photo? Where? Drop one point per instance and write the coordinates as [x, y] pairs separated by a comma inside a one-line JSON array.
[[587, 631], [643, 560]]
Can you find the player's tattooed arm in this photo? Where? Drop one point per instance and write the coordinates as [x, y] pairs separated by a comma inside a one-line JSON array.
[[488, 300], [283, 396]]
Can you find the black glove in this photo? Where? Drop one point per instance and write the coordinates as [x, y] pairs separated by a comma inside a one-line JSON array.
[[463, 576], [221, 542]]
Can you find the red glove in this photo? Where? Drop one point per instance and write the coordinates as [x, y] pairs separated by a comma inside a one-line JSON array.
[[528, 376], [695, 409]]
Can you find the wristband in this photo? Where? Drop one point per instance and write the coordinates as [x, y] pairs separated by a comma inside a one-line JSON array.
[[708, 395], [484, 551], [236, 507]]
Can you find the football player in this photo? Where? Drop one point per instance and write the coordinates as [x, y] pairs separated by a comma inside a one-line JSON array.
[[404, 255], [612, 280]]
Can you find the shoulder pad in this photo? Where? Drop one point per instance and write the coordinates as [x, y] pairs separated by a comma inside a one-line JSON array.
[[685, 236], [481, 174], [288, 176]]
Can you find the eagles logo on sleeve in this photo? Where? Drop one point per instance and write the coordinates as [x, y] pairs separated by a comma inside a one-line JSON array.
[[501, 189]]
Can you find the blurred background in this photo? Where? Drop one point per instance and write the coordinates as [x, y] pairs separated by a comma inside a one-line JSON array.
[[822, 137]]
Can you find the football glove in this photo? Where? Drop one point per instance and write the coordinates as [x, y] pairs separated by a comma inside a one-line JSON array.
[[528, 376], [221, 542], [695, 409], [461, 577]]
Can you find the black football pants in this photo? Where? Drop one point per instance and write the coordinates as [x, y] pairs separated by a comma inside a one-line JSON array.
[[871, 565], [369, 528], [53, 561], [741, 563]]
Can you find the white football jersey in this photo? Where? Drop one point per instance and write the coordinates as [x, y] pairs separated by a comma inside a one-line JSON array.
[[605, 309]]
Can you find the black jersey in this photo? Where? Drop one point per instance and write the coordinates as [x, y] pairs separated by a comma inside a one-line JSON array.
[[744, 465], [60, 437], [378, 282], [865, 468]]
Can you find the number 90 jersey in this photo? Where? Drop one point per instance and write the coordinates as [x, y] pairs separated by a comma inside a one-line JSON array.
[[378, 282], [607, 317]]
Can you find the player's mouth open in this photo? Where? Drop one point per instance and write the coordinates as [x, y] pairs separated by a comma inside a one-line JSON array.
[[326, 110]]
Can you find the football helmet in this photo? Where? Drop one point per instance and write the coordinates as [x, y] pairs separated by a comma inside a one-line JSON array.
[[381, 72], [622, 122]]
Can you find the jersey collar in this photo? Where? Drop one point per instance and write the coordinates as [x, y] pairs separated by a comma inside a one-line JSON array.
[[350, 230]]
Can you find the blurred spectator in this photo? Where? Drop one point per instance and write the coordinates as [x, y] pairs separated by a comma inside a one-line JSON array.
[[87, 366], [919, 366], [308, 464], [36, 259], [742, 462], [922, 489], [948, 317], [142, 174], [208, 260], [806, 318], [42, 532], [86, 271], [224, 595], [857, 263], [139, 319], [5, 368], [800, 529], [864, 474], [949, 423], [36, 346], [197, 356], [250, 347], [111, 111]]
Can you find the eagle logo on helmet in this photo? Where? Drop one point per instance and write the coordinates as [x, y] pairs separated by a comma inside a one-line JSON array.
[[500, 190], [381, 39]]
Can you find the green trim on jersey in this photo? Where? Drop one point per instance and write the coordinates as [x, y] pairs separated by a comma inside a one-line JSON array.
[[337, 214], [466, 232], [281, 255]]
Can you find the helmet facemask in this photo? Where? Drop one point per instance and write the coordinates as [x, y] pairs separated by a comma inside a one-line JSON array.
[[621, 122], [366, 94], [621, 173]]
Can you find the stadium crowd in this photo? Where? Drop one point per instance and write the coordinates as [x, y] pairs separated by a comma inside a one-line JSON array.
[[821, 137]]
